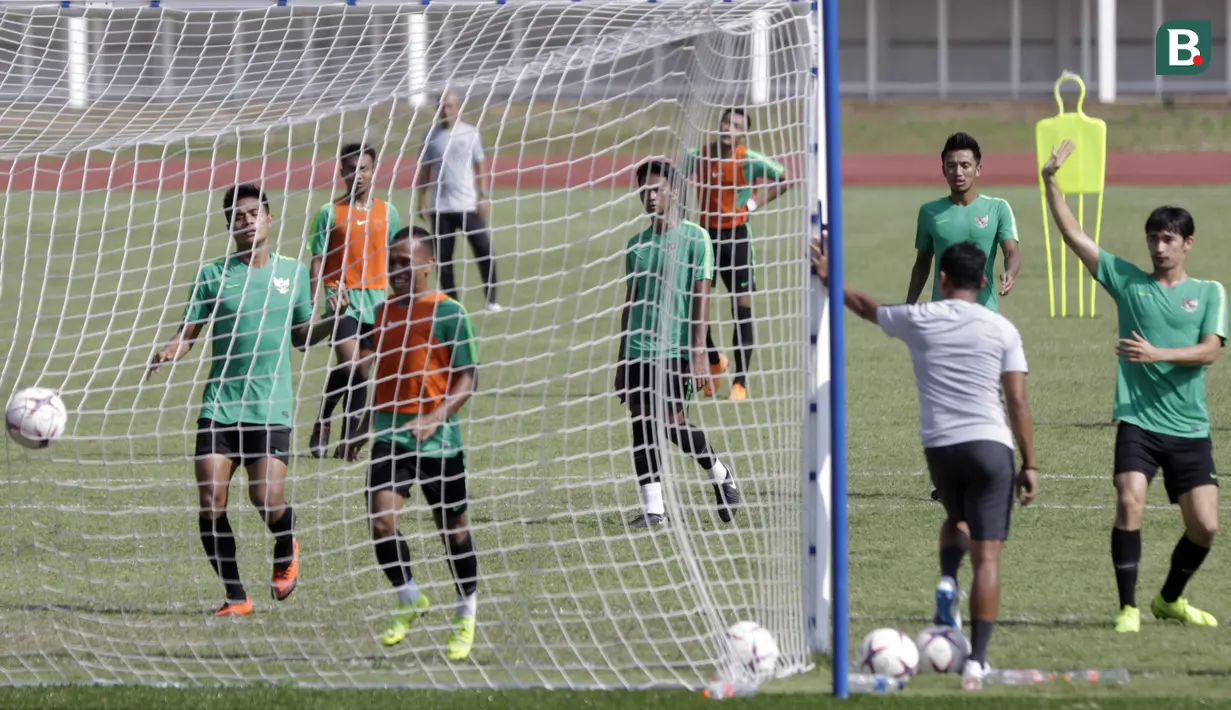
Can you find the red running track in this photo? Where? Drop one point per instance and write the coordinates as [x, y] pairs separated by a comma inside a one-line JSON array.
[[536, 173]]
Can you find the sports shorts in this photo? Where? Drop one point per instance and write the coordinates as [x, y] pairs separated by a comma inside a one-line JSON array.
[[349, 327], [734, 261], [443, 480], [974, 481], [245, 443], [662, 386], [1186, 463]]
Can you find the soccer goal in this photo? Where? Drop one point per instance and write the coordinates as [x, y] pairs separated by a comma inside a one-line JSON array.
[[122, 124]]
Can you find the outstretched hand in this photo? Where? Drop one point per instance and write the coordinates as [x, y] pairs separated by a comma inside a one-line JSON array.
[[1058, 156]]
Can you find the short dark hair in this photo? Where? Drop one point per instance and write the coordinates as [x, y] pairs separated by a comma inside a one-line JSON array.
[[962, 141], [405, 233], [726, 113], [243, 191], [1170, 219], [356, 150], [964, 264], [655, 166]]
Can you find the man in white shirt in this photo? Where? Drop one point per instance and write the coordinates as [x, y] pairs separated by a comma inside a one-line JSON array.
[[963, 354], [454, 169]]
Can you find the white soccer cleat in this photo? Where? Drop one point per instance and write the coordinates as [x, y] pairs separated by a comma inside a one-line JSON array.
[[494, 307], [973, 674], [948, 604]]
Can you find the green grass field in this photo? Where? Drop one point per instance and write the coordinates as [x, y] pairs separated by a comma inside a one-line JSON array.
[[104, 579]]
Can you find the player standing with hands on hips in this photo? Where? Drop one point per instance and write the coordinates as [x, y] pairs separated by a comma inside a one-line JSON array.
[[963, 355], [1172, 327]]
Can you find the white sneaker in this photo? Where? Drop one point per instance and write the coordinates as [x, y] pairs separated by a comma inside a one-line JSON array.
[[948, 605], [973, 674], [494, 307]]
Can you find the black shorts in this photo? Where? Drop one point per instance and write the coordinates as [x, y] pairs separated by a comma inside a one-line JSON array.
[[662, 386], [734, 261], [443, 480], [245, 443], [1186, 463], [348, 327], [446, 223], [974, 481]]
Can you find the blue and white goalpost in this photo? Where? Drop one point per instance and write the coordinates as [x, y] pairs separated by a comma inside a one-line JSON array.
[[825, 595]]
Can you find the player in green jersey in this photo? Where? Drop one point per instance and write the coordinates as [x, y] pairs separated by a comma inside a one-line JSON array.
[[259, 305], [965, 216], [1172, 327], [669, 268]]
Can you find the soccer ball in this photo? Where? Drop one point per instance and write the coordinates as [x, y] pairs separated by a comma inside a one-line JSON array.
[[754, 648], [889, 652], [942, 649], [35, 417]]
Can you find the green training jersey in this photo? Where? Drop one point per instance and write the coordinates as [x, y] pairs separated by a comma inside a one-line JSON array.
[[1162, 397], [660, 270], [987, 222], [251, 313]]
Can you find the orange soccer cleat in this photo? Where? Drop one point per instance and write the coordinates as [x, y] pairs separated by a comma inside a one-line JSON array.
[[286, 579]]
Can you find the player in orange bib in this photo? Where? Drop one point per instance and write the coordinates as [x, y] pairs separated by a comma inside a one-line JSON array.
[[726, 172], [426, 369], [349, 242]]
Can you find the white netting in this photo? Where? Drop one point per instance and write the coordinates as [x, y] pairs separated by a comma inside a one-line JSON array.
[[119, 128]]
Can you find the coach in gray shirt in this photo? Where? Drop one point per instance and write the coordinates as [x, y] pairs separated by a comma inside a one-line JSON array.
[[452, 167]]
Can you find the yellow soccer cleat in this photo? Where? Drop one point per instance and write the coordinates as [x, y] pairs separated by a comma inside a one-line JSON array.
[[403, 618], [1180, 610], [457, 648], [1128, 621]]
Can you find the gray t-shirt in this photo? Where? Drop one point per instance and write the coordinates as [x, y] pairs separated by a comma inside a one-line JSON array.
[[451, 153], [959, 350]]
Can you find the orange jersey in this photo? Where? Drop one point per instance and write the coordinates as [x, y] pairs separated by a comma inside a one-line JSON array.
[[724, 185], [354, 243], [417, 348]]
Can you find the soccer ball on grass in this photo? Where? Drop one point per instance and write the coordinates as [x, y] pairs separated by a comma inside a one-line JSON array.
[[753, 648], [942, 650], [889, 652], [35, 417]]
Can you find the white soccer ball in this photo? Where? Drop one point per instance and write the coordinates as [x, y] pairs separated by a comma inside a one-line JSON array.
[[889, 652], [753, 648], [942, 650], [35, 417]]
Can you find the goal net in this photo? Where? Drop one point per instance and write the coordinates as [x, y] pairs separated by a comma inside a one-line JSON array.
[[122, 123]]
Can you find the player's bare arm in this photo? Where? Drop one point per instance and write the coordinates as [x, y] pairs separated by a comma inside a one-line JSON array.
[[1070, 228], [1012, 265], [1022, 423], [861, 304], [319, 329], [179, 346], [316, 268], [700, 318], [1138, 349], [621, 357], [420, 186], [483, 187], [462, 382], [776, 189], [919, 275]]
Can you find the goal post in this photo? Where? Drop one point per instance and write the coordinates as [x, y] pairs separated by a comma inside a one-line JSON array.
[[122, 123]]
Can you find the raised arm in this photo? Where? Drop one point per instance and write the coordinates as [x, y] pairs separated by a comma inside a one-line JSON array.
[[1077, 240]]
